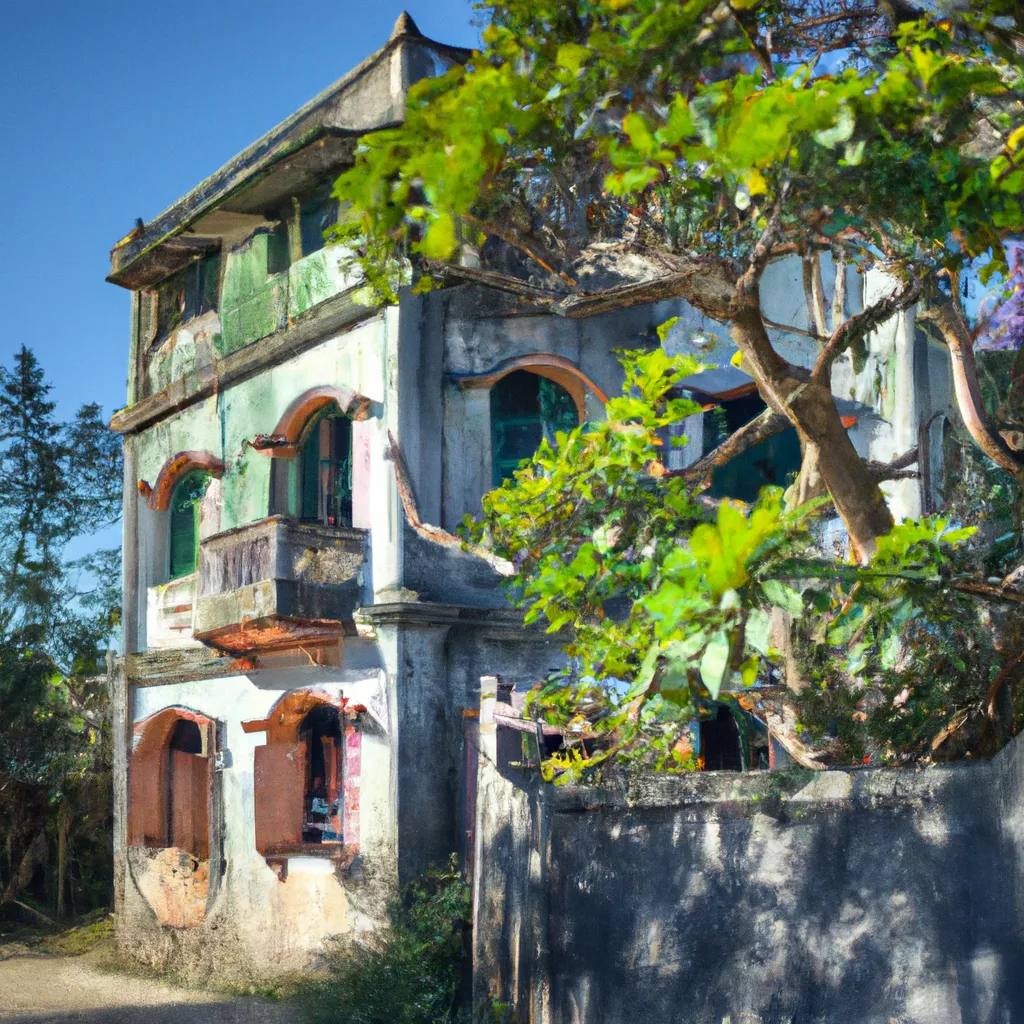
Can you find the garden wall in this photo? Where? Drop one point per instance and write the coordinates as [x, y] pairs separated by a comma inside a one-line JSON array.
[[873, 895]]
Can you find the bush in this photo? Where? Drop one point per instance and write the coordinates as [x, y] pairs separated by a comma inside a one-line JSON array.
[[407, 972]]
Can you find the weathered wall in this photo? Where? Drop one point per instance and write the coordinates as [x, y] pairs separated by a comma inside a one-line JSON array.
[[256, 924], [862, 896]]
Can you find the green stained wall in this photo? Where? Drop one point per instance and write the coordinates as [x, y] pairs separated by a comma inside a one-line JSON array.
[[253, 303], [223, 423], [317, 277]]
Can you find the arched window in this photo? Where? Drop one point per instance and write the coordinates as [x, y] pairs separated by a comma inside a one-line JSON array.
[[170, 777], [306, 777], [525, 408], [325, 494], [184, 525], [769, 463]]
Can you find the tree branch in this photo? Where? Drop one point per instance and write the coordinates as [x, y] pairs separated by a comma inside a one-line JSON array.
[[949, 318], [537, 252], [861, 324], [759, 429]]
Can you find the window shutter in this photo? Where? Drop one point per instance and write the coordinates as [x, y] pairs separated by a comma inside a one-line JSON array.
[[191, 779], [183, 539], [147, 784], [279, 775]]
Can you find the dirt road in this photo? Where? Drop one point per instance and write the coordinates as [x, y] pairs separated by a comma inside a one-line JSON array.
[[58, 989]]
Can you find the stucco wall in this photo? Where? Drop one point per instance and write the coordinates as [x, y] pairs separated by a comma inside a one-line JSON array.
[[867, 897], [256, 924]]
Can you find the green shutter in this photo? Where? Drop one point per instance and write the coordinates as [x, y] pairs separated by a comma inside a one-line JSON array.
[[184, 525]]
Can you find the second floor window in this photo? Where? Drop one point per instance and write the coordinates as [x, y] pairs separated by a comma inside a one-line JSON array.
[[525, 408], [184, 525], [326, 472], [769, 463]]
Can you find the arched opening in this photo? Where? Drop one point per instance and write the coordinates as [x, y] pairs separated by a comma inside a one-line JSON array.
[[170, 776], [306, 776], [320, 738], [185, 503], [720, 743], [325, 471], [525, 409]]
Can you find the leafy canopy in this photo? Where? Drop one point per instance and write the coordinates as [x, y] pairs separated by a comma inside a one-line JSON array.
[[667, 602]]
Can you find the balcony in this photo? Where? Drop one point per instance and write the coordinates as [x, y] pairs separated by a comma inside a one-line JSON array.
[[278, 583]]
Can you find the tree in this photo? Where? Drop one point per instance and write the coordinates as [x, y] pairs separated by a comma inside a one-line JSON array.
[[58, 481], [605, 153]]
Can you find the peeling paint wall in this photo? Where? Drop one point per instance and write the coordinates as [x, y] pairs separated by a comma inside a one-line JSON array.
[[257, 924]]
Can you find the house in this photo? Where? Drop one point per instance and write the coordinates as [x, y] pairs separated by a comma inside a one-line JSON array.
[[294, 710]]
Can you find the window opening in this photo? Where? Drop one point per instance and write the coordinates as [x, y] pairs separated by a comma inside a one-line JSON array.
[[320, 737], [186, 501], [316, 215], [326, 495], [278, 253], [720, 743], [187, 294], [526, 408], [766, 464]]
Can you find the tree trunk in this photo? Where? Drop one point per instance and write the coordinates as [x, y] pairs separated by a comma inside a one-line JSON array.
[[811, 408], [63, 827]]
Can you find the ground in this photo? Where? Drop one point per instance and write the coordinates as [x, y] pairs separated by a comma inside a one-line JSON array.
[[73, 981]]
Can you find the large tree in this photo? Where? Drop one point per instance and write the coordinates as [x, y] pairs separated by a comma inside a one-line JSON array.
[[604, 153], [60, 481]]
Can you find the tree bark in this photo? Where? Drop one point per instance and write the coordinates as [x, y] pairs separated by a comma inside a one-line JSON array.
[[811, 408], [952, 325]]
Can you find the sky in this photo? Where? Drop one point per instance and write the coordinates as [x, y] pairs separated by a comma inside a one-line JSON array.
[[113, 110]]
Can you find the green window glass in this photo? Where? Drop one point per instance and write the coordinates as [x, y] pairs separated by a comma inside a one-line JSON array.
[[326, 484], [769, 463], [184, 526], [525, 408]]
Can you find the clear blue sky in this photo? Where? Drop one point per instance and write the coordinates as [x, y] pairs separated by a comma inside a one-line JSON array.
[[112, 110]]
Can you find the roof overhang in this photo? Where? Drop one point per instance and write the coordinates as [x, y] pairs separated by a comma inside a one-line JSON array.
[[316, 141]]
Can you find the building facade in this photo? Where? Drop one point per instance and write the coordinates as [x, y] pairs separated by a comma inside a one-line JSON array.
[[294, 709]]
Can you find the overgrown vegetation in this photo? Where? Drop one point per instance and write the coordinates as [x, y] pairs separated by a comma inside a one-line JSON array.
[[58, 481], [408, 972], [605, 153]]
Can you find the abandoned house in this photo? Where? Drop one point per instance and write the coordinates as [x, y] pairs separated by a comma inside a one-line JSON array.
[[302, 659]]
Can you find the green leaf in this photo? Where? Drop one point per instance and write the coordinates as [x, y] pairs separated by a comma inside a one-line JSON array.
[[439, 241], [759, 628], [783, 596], [572, 57], [714, 662]]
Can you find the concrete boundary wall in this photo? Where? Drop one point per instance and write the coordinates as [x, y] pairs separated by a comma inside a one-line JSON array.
[[875, 896]]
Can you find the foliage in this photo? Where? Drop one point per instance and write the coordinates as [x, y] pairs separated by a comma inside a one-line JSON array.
[[577, 116], [60, 481], [668, 601], [698, 141], [407, 972]]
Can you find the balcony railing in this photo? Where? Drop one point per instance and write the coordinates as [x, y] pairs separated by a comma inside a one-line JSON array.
[[278, 583]]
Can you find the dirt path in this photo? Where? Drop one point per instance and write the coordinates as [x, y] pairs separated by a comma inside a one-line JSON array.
[[77, 989]]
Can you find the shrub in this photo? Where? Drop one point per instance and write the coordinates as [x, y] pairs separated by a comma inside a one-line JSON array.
[[407, 972]]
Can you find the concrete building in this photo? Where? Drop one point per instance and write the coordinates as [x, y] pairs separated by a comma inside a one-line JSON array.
[[301, 656]]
